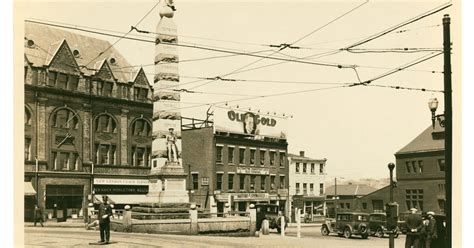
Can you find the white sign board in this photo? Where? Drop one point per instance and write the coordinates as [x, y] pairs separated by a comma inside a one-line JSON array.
[[234, 120]]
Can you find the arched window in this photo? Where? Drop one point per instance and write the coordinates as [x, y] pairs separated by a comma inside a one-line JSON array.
[[105, 124], [140, 143], [66, 140], [106, 140], [65, 118]]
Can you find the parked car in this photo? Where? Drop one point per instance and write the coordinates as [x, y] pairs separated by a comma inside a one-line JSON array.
[[271, 213], [378, 225], [347, 224]]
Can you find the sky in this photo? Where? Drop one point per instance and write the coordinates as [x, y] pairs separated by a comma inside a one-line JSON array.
[[357, 129]]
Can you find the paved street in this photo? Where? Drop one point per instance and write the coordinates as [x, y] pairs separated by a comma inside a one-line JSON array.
[[310, 237]]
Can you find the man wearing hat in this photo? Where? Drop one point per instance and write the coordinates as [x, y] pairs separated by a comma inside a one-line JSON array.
[[105, 211], [414, 224], [431, 229]]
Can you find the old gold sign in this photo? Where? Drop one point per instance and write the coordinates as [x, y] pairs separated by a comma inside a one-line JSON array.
[[241, 117]]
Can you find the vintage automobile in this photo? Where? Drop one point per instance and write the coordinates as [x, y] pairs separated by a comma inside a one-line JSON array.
[[271, 213], [378, 225], [347, 224]]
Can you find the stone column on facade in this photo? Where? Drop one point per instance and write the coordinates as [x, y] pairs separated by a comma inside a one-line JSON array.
[[41, 128], [87, 131], [166, 145], [124, 137]]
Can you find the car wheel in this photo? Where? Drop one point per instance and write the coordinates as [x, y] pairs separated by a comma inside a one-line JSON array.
[[324, 230], [379, 233], [347, 233], [265, 227]]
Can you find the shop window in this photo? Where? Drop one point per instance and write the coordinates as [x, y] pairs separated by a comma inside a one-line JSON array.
[[312, 168], [242, 155], [195, 177], [219, 154], [219, 181], [304, 167], [441, 165], [27, 149], [230, 155], [230, 181], [242, 182], [297, 187]]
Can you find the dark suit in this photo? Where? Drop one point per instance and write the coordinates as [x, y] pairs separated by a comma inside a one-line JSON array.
[[414, 224], [38, 215], [104, 223], [431, 232]]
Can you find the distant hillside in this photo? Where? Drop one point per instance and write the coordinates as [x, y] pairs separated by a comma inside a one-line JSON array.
[[376, 183]]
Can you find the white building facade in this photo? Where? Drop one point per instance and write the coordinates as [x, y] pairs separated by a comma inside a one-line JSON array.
[[307, 186]]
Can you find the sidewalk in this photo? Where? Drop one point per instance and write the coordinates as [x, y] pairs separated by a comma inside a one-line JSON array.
[[304, 224], [54, 223]]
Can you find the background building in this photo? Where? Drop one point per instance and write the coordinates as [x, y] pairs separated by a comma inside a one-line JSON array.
[[420, 176], [87, 122], [229, 164], [306, 178], [348, 197]]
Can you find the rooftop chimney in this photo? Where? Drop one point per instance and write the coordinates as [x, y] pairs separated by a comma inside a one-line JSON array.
[[301, 153]]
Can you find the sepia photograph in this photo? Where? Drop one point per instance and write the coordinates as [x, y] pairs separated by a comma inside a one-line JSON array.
[[162, 123]]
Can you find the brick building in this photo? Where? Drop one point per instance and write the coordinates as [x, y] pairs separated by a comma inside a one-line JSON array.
[[348, 197], [306, 178], [234, 169], [87, 122], [420, 176]]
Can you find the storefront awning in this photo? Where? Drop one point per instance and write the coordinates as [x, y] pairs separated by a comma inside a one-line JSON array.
[[123, 199], [29, 190]]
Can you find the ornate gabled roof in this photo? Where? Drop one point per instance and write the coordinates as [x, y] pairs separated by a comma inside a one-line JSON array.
[[48, 41], [140, 79]]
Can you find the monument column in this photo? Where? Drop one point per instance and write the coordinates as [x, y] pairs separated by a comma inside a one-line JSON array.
[[167, 176]]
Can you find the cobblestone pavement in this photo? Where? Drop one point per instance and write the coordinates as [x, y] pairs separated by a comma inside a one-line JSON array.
[[310, 237]]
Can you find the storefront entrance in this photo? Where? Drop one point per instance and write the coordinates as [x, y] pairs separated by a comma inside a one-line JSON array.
[[64, 201]]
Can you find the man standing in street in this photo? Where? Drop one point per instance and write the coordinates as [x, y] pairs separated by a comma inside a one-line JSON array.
[[105, 211], [38, 215], [431, 230], [414, 224]]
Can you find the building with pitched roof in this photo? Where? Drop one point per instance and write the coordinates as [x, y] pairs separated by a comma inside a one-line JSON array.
[[88, 121], [420, 174], [347, 195]]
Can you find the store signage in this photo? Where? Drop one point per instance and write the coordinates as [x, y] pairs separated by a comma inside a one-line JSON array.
[[116, 181], [120, 189], [253, 170], [205, 181], [249, 196], [236, 120]]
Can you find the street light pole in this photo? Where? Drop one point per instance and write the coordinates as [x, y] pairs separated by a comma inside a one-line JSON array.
[[391, 240], [335, 198], [448, 125]]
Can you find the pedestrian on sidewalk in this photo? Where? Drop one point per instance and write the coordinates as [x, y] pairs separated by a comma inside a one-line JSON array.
[[414, 224], [38, 215], [431, 230], [105, 211]]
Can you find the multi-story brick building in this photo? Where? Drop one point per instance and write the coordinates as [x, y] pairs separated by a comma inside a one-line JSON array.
[[234, 168], [87, 122], [306, 178], [420, 176]]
